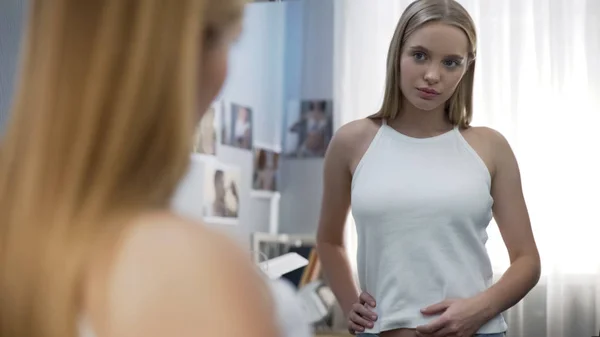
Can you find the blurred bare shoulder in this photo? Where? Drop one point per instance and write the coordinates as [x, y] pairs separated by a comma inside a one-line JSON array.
[[173, 276]]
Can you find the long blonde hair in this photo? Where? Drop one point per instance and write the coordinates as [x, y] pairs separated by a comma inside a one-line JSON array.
[[460, 106], [100, 132]]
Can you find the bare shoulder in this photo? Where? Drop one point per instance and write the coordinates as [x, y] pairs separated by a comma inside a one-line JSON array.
[[494, 139], [181, 235], [164, 238], [172, 276], [352, 140], [487, 134], [358, 129], [490, 145]]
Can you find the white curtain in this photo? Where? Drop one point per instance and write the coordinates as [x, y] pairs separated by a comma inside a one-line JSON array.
[[538, 83]]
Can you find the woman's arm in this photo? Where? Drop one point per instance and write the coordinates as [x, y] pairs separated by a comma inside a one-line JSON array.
[[466, 316], [511, 215], [334, 211]]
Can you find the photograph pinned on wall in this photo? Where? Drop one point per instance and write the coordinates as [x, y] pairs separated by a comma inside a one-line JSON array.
[[221, 193], [205, 136], [266, 169], [308, 129], [236, 128]]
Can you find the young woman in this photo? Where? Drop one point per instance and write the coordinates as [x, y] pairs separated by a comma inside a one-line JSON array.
[[423, 185], [99, 138]]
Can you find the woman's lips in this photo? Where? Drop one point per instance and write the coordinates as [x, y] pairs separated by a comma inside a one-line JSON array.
[[427, 93]]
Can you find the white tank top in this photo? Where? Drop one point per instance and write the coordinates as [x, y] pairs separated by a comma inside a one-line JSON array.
[[421, 207]]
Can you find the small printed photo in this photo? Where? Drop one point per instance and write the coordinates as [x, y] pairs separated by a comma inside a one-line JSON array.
[[309, 129], [266, 169], [236, 130], [205, 137], [221, 193]]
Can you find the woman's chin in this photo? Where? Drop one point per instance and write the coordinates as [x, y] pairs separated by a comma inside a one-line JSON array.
[[425, 104]]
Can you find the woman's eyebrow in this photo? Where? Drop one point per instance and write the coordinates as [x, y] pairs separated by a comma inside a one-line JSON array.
[[421, 48]]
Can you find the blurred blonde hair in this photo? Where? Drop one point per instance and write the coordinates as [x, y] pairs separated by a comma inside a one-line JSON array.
[[100, 132], [420, 12]]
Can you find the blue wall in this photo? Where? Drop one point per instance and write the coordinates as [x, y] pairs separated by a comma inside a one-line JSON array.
[[12, 14], [284, 54], [293, 51], [256, 73], [256, 79], [309, 75]]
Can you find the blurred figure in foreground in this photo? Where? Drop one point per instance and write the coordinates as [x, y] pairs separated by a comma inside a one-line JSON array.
[[99, 138]]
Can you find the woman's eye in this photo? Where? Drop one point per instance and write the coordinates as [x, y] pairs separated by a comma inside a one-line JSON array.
[[419, 56], [451, 63]]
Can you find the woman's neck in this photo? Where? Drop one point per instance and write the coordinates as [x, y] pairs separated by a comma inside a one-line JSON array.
[[412, 120]]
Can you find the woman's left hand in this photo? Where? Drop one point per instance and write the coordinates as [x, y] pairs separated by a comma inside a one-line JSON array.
[[459, 318]]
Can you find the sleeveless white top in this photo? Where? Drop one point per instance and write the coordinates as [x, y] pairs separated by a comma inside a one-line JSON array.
[[421, 207]]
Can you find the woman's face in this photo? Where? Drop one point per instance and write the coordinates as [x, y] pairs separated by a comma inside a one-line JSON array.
[[213, 69], [433, 61]]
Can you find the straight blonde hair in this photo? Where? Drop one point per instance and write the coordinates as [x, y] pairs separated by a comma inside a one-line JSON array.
[[100, 132], [420, 12]]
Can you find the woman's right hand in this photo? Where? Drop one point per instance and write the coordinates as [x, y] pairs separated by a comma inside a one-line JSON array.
[[361, 316]]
